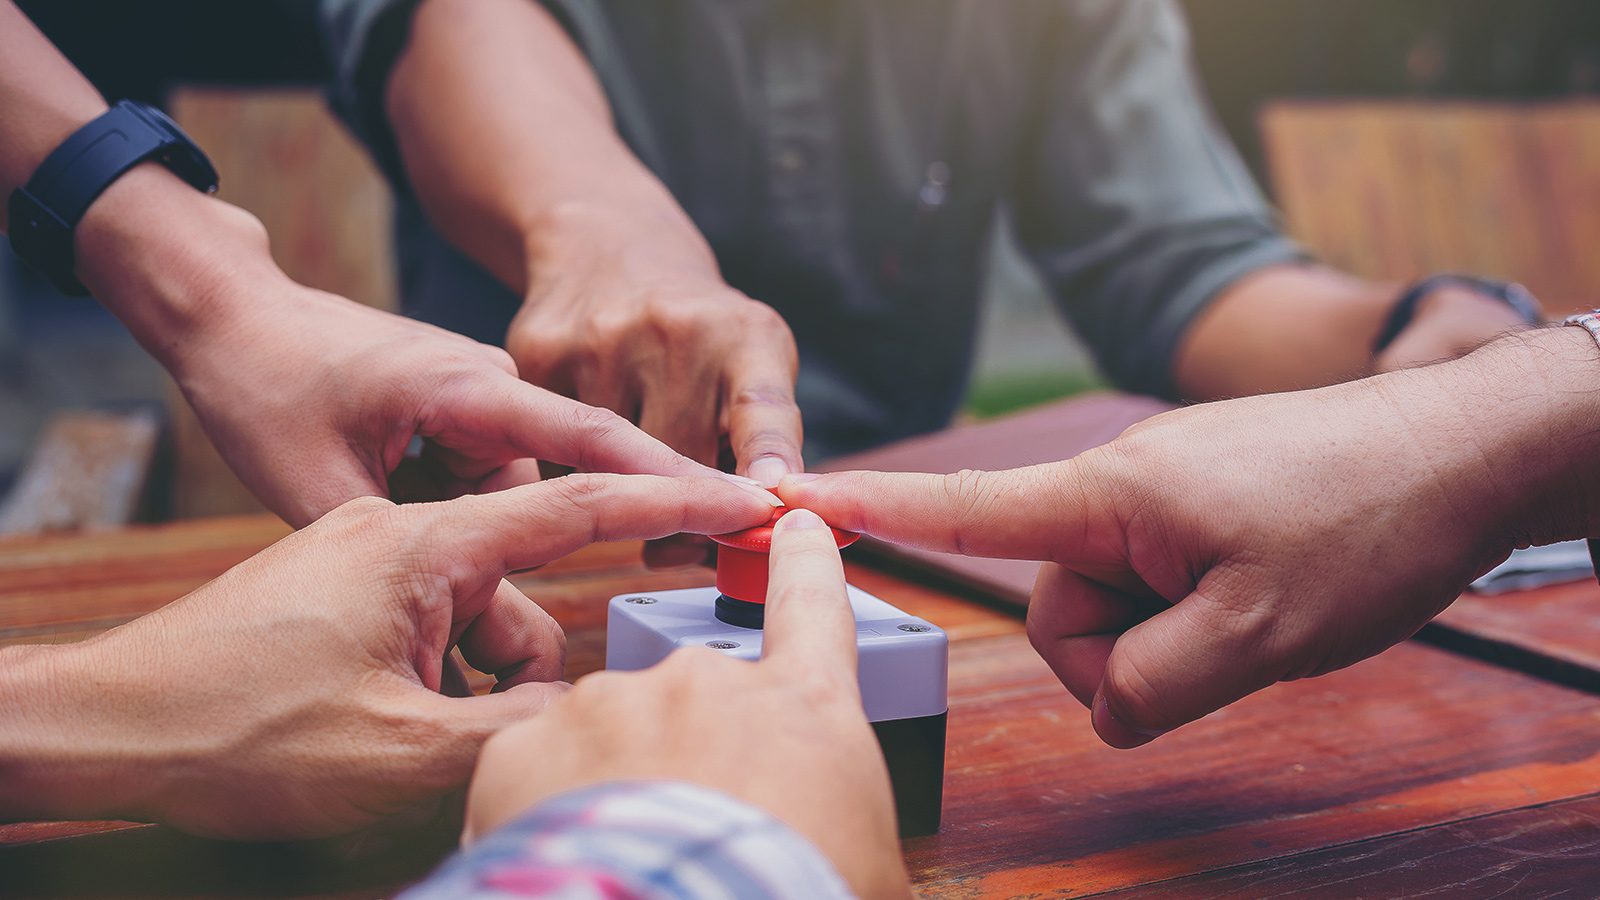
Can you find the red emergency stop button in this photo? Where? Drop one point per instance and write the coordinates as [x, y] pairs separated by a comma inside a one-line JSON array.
[[743, 558]]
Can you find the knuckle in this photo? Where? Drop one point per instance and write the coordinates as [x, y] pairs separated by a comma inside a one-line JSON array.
[[579, 489], [596, 424], [971, 503], [774, 397], [673, 319], [602, 338], [756, 315]]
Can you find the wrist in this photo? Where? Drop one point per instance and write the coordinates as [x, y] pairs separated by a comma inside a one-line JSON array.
[[53, 765], [604, 239], [1442, 308], [1529, 406], [175, 265]]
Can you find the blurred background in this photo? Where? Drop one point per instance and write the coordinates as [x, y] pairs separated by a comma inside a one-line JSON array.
[[1399, 137]]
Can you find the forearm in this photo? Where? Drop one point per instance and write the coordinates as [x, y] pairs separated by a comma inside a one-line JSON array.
[[508, 141], [52, 764], [1282, 328], [1528, 406], [44, 98], [1287, 328], [178, 267], [163, 257]]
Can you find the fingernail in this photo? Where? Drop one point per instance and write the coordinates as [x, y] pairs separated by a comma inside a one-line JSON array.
[[802, 477], [801, 518], [768, 471], [1113, 731], [753, 486]]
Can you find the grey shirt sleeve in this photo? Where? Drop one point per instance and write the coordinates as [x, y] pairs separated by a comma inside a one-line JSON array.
[[1129, 197], [364, 40]]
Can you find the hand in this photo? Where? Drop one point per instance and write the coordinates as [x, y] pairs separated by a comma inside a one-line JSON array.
[[643, 325], [1215, 550], [786, 733], [297, 695], [314, 399], [1449, 322], [311, 398]]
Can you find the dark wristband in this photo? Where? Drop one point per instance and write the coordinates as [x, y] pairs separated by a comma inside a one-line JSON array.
[[1513, 295], [44, 212]]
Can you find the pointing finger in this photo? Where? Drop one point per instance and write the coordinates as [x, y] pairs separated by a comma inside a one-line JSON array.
[[1047, 512], [763, 419], [809, 622], [533, 422], [533, 524]]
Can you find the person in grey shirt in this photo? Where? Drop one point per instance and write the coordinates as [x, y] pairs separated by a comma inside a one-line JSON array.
[[698, 212]]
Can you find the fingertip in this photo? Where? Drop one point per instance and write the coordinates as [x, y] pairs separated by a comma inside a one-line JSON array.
[[798, 489], [796, 519], [754, 489], [1113, 731]]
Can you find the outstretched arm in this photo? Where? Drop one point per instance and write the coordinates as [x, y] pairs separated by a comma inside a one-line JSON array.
[[507, 139], [1213, 551], [311, 398], [299, 694]]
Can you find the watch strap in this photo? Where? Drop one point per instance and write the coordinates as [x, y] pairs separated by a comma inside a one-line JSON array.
[[44, 212], [1405, 309]]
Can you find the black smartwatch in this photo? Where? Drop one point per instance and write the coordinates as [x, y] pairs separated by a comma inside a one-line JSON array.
[[1405, 309], [44, 212]]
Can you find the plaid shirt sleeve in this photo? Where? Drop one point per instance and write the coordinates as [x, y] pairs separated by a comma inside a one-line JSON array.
[[645, 840]]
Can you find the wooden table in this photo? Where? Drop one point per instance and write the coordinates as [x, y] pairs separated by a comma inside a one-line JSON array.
[[1420, 772]]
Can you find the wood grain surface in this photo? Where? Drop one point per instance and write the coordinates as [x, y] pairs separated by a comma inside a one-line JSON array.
[[1417, 752], [1553, 632], [1549, 852]]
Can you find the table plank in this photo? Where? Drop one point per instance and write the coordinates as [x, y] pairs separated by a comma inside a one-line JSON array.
[[1416, 739], [151, 861], [1552, 631], [1539, 853], [1035, 805]]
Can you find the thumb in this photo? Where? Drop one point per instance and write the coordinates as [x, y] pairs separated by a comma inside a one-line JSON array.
[[478, 717], [1182, 664]]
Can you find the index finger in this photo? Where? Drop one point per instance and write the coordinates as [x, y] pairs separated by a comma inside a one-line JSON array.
[[764, 427], [809, 621], [1048, 512], [533, 524], [531, 421]]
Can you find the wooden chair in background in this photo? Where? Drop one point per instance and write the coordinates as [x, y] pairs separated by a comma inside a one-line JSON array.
[[283, 157], [1395, 190]]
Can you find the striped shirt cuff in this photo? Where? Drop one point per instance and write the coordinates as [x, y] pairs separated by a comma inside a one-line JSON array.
[[638, 840]]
